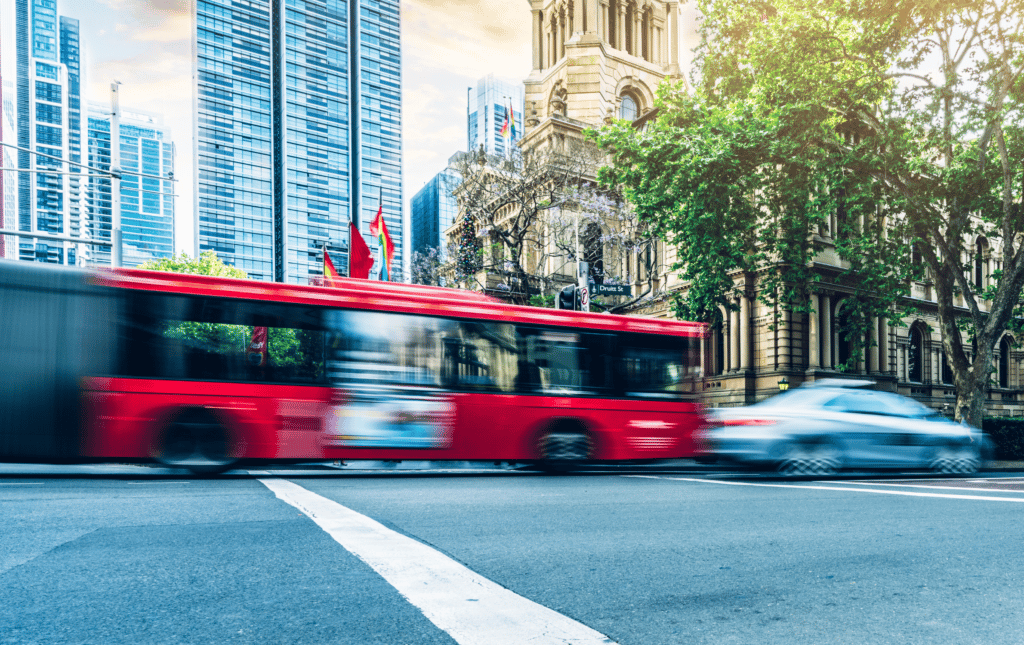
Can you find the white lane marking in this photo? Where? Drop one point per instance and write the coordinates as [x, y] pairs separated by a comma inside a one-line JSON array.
[[470, 608], [21, 483], [989, 490], [158, 482], [846, 490]]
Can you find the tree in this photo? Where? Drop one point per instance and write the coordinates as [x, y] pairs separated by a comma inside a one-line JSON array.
[[901, 120], [206, 264], [503, 204]]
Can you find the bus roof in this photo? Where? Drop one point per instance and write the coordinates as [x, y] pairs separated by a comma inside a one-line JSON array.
[[392, 296]]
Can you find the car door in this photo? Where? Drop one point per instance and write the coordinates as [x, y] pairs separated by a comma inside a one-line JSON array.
[[873, 432]]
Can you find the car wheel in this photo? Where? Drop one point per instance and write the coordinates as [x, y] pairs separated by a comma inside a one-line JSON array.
[[817, 458], [955, 460], [196, 441]]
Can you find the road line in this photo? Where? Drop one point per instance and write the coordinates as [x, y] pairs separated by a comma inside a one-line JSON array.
[[472, 609], [21, 483], [846, 490], [989, 490]]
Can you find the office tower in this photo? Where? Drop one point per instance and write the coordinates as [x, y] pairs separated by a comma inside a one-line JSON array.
[[49, 117], [486, 113], [8, 129], [147, 203], [298, 130], [433, 210]]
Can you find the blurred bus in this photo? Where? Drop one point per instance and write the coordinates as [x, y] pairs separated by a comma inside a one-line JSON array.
[[208, 373]]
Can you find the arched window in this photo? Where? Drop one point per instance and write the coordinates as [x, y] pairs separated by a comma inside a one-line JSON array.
[[915, 356], [947, 371], [627, 109], [1004, 362], [980, 252]]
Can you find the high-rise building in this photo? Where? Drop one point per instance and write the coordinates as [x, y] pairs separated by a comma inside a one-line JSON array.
[[433, 210], [147, 203], [8, 129], [298, 130], [485, 114], [49, 81]]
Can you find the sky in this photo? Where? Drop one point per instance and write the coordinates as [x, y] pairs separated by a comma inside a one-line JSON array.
[[447, 45]]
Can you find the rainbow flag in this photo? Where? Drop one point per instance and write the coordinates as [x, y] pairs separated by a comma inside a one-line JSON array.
[[379, 229], [330, 273], [505, 131], [512, 123]]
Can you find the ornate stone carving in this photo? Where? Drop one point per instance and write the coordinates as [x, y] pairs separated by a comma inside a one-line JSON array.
[[559, 95]]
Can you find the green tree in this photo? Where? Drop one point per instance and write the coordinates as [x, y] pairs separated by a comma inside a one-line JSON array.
[[206, 264], [902, 118]]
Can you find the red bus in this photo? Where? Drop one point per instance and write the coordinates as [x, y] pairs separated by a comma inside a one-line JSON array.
[[206, 373]]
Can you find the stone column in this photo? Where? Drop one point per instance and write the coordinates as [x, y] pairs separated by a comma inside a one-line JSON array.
[[620, 27], [784, 348], [592, 12], [873, 346], [538, 36], [744, 333], [734, 340], [814, 353], [578, 7], [883, 345], [672, 9], [826, 332]]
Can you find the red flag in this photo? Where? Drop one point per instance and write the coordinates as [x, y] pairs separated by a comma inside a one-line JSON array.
[[256, 352], [359, 259], [330, 273]]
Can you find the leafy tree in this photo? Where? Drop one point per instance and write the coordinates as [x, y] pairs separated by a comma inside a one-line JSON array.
[[206, 264], [900, 121]]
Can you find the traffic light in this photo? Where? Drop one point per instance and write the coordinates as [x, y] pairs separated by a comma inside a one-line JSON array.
[[566, 298]]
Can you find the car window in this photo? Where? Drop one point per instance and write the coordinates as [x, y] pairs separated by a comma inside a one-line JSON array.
[[859, 403], [794, 398]]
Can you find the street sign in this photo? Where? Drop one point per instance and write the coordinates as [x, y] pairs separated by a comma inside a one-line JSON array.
[[584, 294], [611, 290]]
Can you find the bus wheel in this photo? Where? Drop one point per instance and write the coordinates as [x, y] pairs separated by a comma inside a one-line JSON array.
[[196, 441], [563, 449]]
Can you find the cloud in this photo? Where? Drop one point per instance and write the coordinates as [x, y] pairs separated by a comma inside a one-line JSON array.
[[174, 28]]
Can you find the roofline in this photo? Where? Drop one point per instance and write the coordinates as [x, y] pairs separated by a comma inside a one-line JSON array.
[[394, 296]]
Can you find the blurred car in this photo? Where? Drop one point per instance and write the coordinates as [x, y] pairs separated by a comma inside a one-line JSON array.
[[828, 425]]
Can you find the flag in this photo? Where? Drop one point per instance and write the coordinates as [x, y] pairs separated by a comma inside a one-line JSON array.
[[359, 258], [512, 122], [330, 273], [256, 352], [380, 230], [505, 131]]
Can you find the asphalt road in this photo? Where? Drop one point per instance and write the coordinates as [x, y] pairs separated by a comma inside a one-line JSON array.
[[117, 554]]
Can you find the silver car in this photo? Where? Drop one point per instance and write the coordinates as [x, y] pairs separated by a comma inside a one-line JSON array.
[[823, 427]]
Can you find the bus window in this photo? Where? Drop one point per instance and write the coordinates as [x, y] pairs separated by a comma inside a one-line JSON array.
[[217, 339], [655, 367], [562, 362], [481, 356]]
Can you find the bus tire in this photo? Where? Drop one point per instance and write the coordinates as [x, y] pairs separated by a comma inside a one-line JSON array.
[[195, 440], [564, 447]]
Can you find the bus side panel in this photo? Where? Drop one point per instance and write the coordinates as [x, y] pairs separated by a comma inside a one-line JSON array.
[[127, 417]]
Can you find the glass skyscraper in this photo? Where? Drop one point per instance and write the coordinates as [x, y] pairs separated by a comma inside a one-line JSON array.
[[147, 203], [298, 131], [49, 118], [486, 113], [433, 211]]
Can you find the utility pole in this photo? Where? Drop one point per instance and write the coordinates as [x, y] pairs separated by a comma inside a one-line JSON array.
[[115, 175]]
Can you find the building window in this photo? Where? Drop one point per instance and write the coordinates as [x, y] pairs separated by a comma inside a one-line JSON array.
[[1004, 363], [627, 110], [979, 263], [915, 355]]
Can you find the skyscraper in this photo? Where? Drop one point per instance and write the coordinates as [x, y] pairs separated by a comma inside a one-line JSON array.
[[147, 203], [486, 113], [433, 210], [298, 129], [50, 124], [8, 128]]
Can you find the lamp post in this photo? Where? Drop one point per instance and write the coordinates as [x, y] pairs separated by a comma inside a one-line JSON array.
[[783, 384]]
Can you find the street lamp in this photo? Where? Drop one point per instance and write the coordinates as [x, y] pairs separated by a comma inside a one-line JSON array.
[[783, 384]]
